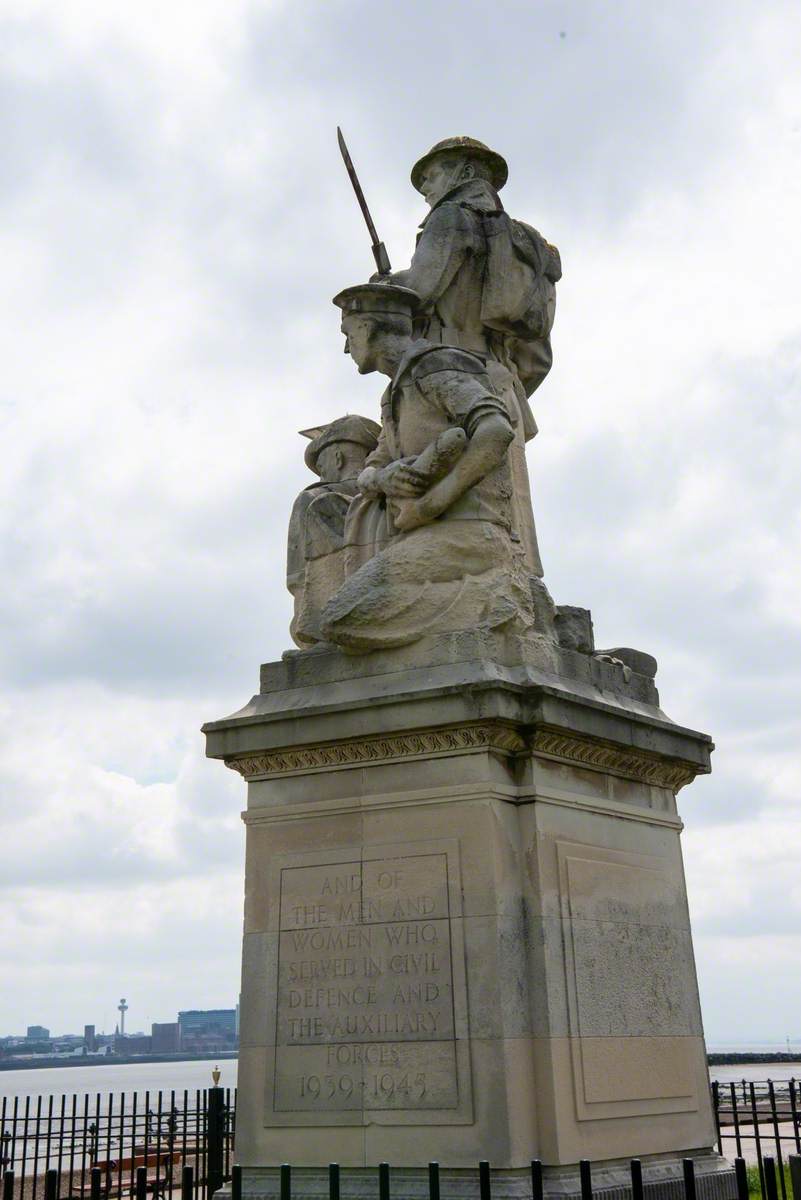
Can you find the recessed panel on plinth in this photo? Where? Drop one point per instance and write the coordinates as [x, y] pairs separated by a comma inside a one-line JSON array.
[[631, 999], [370, 998]]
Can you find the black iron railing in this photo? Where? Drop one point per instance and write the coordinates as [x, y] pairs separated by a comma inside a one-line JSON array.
[[638, 1181], [760, 1120], [78, 1140], [106, 1148]]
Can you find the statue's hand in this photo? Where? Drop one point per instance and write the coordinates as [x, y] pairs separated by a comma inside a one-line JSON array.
[[409, 514], [369, 482], [400, 479]]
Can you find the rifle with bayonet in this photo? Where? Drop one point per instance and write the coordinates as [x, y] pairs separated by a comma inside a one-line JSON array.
[[379, 249]]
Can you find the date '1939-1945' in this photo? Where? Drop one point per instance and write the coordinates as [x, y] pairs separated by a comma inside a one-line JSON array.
[[380, 1086]]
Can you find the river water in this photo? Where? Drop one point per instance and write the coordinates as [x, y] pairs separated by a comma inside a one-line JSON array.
[[756, 1071], [116, 1078], [190, 1075]]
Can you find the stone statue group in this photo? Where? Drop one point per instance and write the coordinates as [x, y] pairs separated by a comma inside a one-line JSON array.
[[424, 525]]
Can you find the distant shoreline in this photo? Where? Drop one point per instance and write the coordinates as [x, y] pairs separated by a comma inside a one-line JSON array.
[[117, 1060], [745, 1057], [108, 1060]]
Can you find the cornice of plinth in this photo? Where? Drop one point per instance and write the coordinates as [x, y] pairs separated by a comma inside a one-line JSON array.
[[427, 743], [598, 755], [490, 736]]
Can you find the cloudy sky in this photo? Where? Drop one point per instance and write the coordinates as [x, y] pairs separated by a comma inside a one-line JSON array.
[[175, 219]]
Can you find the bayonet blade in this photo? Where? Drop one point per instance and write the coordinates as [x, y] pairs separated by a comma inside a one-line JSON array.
[[379, 251]]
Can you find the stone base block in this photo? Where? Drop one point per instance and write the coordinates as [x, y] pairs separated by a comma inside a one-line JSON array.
[[466, 932], [662, 1180]]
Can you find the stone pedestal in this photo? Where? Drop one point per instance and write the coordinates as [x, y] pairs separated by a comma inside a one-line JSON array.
[[466, 928]]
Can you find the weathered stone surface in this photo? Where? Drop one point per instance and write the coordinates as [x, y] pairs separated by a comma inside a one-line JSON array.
[[487, 285], [585, 721], [369, 1018], [636, 660], [662, 1178], [435, 538], [543, 1002], [466, 931], [485, 282], [574, 628], [453, 557], [316, 565]]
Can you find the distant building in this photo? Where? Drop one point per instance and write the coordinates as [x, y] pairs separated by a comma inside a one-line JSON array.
[[37, 1033], [136, 1043], [68, 1043], [26, 1048], [207, 1029], [164, 1037], [89, 1037], [67, 1047]]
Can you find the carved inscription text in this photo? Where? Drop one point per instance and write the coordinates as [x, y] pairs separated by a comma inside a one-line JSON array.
[[365, 1015]]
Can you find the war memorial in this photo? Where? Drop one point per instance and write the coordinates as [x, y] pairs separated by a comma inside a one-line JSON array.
[[466, 932]]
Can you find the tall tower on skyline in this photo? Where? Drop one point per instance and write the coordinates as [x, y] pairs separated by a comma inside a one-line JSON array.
[[122, 1008]]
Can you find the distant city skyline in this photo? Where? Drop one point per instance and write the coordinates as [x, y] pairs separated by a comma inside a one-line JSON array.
[[192, 1032], [54, 1030], [760, 1039]]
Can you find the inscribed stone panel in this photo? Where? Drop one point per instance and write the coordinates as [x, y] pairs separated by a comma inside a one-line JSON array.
[[630, 983], [630, 963], [368, 965]]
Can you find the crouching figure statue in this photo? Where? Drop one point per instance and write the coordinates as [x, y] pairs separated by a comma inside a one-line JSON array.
[[316, 558], [449, 557]]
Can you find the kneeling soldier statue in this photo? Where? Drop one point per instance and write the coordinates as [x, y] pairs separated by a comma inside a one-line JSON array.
[[441, 472]]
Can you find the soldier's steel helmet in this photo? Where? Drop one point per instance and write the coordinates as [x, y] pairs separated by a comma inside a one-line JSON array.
[[350, 428], [377, 298], [464, 145]]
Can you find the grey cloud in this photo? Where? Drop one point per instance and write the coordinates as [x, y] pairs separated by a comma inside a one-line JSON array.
[[145, 632], [624, 86], [67, 112], [769, 911], [242, 224], [204, 838], [208, 596], [722, 619]]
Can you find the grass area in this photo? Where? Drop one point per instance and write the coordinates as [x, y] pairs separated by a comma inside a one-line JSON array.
[[755, 1189]]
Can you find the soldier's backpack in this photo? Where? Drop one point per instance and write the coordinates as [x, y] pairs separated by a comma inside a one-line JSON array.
[[522, 269]]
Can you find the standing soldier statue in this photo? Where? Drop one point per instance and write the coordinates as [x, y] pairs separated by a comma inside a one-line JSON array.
[[486, 281], [486, 284]]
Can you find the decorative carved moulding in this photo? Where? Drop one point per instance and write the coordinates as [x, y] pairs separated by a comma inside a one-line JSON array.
[[486, 735], [603, 756], [429, 742]]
